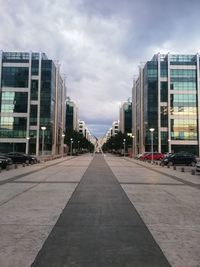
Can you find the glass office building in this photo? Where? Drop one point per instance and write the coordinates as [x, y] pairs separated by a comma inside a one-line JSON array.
[[165, 97], [125, 123], [71, 119], [32, 95]]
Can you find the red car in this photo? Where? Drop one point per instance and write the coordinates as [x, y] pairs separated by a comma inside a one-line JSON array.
[[148, 156]]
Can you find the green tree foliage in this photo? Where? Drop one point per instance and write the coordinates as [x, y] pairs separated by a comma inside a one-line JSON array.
[[115, 143], [79, 141]]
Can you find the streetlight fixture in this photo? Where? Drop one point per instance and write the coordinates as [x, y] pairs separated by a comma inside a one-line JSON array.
[[124, 146], [71, 142], [43, 129], [151, 130]]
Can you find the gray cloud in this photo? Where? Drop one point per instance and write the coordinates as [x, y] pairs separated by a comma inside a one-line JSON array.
[[100, 43]]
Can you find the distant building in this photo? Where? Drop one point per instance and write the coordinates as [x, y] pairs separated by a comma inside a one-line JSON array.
[[32, 95], [82, 127], [125, 124], [115, 128], [165, 97], [109, 134], [71, 121]]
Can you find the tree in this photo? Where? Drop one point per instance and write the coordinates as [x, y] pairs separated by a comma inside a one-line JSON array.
[[79, 141], [115, 143]]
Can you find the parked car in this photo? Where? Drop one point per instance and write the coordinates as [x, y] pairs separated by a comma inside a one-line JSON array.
[[5, 161], [21, 158], [198, 167], [180, 158], [142, 156], [168, 154], [156, 156], [138, 156]]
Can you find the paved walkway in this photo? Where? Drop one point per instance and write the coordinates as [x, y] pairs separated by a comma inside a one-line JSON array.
[[99, 227]]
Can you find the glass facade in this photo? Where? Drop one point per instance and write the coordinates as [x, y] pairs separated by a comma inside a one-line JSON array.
[[128, 118], [34, 89], [181, 110], [15, 77], [183, 106], [14, 101], [69, 116], [13, 127], [47, 100], [151, 102]]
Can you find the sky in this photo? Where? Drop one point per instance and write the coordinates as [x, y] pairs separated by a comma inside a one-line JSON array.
[[100, 44]]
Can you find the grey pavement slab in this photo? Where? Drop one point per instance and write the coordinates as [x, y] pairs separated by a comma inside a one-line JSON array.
[[99, 227]]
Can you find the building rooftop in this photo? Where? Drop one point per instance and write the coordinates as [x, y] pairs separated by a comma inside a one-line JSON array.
[[22, 56], [175, 57]]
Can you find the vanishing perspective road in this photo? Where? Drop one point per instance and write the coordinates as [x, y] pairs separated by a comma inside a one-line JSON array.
[[98, 211]]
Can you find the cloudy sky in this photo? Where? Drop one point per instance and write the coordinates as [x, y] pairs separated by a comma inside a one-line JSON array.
[[100, 43]]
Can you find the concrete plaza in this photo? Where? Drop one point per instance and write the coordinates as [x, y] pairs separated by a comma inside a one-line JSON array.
[[99, 211]]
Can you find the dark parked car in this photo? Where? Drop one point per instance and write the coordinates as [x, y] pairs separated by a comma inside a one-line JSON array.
[[21, 158], [5, 161], [180, 158]]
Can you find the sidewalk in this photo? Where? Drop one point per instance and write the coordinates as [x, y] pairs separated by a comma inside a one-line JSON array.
[[14, 174], [186, 178]]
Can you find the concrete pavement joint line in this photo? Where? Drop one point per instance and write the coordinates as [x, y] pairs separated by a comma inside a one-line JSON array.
[[44, 182], [31, 172], [100, 227], [26, 190], [197, 186], [140, 183]]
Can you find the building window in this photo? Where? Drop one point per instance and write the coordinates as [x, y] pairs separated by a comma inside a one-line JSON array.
[[33, 115], [14, 102], [164, 91], [13, 127], [164, 116], [35, 67], [15, 77], [34, 90], [184, 129]]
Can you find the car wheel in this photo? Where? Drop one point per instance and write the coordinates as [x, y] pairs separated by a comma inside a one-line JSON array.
[[193, 164], [27, 161], [170, 163]]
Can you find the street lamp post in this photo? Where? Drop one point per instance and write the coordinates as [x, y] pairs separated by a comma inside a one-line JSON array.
[[124, 145], [71, 142], [63, 137], [78, 146], [151, 130], [133, 145], [27, 138], [169, 145], [43, 129]]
